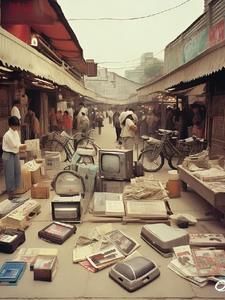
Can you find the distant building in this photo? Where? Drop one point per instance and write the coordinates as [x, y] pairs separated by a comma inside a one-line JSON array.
[[111, 85], [140, 73]]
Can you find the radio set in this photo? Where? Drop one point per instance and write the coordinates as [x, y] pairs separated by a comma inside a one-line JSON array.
[[67, 204]]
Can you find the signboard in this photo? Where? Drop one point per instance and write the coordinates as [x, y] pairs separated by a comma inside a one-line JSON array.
[[196, 45], [216, 33]]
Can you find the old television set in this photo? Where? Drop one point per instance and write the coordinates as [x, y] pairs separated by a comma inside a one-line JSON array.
[[116, 164]]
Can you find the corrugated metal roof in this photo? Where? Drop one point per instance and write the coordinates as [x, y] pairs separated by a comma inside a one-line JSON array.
[[205, 64], [17, 54]]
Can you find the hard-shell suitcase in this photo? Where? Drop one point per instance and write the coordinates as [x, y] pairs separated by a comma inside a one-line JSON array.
[[11, 239], [134, 273], [163, 237]]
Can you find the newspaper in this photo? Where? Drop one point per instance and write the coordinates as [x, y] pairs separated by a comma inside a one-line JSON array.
[[209, 262]]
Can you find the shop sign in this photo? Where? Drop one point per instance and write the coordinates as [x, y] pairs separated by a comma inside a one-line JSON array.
[[216, 33], [196, 45]]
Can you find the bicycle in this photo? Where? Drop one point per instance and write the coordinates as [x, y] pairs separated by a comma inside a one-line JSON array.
[[155, 151], [66, 145]]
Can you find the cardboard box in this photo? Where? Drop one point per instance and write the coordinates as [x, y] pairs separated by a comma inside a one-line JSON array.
[[36, 176], [25, 183], [40, 191]]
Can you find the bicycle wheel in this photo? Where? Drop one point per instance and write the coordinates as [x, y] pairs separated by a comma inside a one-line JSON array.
[[151, 163], [175, 160], [56, 146], [86, 143]]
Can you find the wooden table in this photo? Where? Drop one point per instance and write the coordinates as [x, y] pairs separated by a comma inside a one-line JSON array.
[[214, 196]]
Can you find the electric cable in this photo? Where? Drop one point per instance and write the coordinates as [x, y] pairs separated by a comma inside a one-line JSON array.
[[133, 18]]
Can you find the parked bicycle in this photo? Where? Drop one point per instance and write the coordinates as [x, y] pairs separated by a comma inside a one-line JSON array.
[[155, 151], [66, 145]]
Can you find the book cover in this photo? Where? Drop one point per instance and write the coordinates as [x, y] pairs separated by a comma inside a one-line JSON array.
[[209, 262], [207, 239], [105, 258], [11, 271], [124, 244], [7, 238]]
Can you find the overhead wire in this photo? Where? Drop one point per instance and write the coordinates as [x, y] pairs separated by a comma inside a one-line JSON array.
[[132, 18]]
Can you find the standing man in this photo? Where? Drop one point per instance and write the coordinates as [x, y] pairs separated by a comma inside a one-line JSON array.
[[11, 147], [82, 109]]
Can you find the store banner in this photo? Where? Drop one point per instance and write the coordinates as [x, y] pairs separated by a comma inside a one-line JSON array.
[[216, 33], [196, 45]]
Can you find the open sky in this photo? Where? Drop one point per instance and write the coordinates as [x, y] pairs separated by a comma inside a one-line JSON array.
[[125, 41]]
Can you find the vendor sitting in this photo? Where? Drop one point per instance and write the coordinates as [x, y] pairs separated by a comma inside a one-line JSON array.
[[11, 146]]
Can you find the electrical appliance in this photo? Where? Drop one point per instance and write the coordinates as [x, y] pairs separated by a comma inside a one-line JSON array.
[[116, 164]]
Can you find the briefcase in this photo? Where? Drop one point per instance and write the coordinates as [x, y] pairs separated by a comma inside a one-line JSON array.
[[57, 232], [163, 237], [134, 273], [11, 239]]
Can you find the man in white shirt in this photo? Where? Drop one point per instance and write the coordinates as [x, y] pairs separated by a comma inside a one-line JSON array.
[[84, 110], [128, 130], [11, 147], [15, 112]]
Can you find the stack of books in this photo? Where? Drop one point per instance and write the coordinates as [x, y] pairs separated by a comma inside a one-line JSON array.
[[198, 265]]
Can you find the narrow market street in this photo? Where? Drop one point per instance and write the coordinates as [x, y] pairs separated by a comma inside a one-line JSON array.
[[72, 281], [112, 150]]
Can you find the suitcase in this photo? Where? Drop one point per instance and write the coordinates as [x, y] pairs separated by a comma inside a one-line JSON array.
[[134, 273], [163, 238], [11, 239]]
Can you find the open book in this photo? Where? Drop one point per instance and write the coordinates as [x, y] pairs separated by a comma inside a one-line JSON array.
[[155, 209]]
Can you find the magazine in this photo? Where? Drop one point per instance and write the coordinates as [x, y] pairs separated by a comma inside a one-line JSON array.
[[185, 259], [7, 238], [105, 258], [81, 252], [207, 239], [124, 244], [178, 268], [209, 262], [87, 265]]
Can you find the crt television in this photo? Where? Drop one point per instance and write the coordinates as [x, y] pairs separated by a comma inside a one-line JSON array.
[[116, 164]]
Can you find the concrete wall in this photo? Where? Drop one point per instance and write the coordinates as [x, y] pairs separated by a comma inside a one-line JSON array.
[[111, 85]]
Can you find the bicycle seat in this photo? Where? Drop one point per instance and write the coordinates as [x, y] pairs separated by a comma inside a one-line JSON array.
[[145, 137], [152, 140]]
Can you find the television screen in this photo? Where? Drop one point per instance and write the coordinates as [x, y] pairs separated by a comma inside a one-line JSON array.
[[110, 163]]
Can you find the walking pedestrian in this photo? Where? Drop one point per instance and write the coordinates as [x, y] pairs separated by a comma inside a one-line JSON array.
[[99, 121], [116, 124], [129, 130], [67, 123]]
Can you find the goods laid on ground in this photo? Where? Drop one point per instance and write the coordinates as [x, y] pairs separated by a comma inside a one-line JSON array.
[[11, 272], [163, 237], [198, 265], [20, 217], [134, 273], [11, 239]]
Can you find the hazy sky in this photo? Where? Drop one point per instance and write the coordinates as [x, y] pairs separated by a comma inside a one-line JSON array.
[[121, 41]]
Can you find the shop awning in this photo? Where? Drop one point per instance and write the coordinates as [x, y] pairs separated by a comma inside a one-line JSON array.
[[46, 18], [207, 63], [18, 55]]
